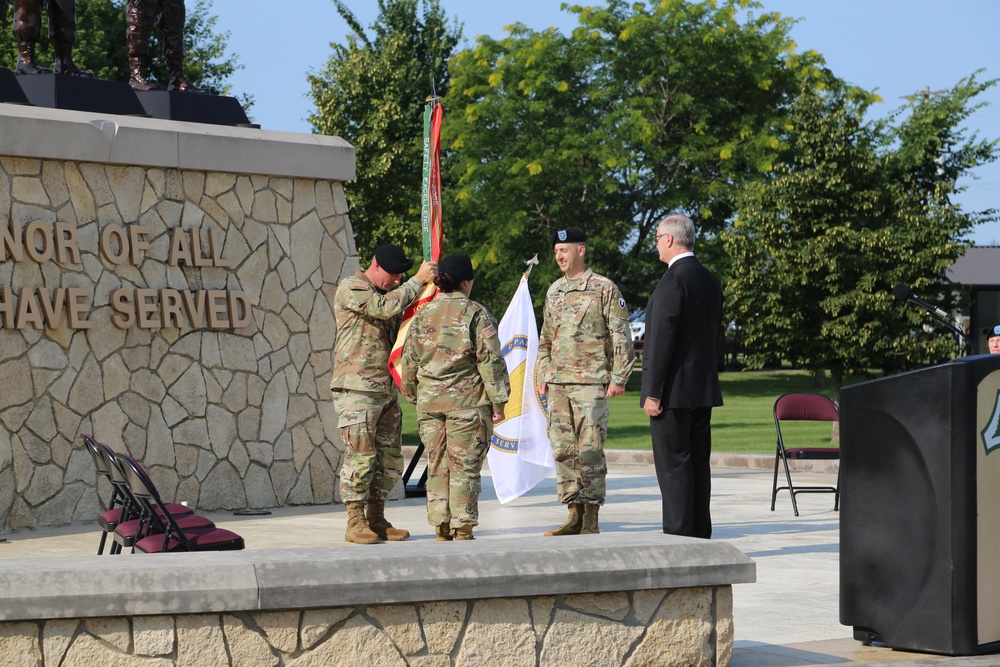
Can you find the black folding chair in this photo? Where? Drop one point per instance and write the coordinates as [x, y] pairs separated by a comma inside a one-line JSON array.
[[803, 407], [112, 515], [174, 536]]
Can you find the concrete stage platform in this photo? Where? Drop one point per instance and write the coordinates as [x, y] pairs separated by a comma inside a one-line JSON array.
[[788, 618]]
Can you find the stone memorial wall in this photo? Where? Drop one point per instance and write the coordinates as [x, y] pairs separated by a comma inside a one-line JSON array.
[[167, 287]]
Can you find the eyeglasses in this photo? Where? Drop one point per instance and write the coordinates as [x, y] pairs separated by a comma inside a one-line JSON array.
[[657, 238]]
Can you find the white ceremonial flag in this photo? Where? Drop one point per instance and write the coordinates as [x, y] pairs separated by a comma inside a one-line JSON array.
[[520, 455]]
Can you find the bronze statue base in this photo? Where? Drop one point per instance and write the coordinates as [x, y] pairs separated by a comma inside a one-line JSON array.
[[75, 93], [10, 91], [194, 108]]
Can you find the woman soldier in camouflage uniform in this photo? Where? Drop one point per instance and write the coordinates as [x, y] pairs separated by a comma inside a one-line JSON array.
[[454, 372]]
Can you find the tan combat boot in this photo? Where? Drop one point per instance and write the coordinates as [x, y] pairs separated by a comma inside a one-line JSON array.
[[590, 526], [357, 528], [380, 526], [443, 533], [573, 523], [464, 533]]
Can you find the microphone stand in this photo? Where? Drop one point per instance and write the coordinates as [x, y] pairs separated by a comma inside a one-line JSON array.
[[951, 327]]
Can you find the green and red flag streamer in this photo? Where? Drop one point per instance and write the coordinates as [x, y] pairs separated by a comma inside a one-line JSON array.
[[430, 221], [430, 195]]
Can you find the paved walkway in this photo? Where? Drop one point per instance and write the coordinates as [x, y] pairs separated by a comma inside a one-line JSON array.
[[788, 618]]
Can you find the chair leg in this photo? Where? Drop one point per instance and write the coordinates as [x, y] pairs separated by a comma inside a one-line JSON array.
[[836, 494], [791, 489], [774, 486], [104, 537]]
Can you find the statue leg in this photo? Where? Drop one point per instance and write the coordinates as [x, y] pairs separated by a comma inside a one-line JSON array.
[[27, 30], [139, 16], [62, 34], [172, 35]]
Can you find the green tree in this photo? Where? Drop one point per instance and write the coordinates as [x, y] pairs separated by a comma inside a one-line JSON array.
[[372, 93], [854, 208], [100, 45], [644, 109]]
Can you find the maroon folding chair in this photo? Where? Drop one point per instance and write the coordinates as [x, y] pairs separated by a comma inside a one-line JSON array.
[[138, 521], [803, 407], [174, 536]]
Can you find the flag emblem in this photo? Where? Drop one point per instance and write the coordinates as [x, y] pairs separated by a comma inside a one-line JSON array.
[[991, 433]]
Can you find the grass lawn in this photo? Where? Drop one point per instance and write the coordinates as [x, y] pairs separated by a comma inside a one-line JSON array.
[[744, 424]]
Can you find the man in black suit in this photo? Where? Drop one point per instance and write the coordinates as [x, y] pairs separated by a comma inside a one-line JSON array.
[[680, 378]]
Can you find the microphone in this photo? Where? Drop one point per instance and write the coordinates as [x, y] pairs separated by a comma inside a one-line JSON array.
[[905, 293]]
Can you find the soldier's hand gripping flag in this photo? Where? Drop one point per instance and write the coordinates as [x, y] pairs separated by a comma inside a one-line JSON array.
[[520, 455]]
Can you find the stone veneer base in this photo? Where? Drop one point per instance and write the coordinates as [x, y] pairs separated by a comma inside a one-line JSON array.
[[610, 599], [223, 414]]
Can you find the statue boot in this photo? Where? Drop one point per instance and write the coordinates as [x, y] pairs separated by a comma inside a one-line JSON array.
[[172, 36], [182, 85], [443, 532], [26, 60], [139, 17], [589, 522], [357, 527], [380, 525], [137, 80], [65, 64], [464, 532], [573, 524]]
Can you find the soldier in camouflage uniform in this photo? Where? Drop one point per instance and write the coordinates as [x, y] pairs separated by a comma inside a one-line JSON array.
[[452, 368], [585, 356], [368, 312]]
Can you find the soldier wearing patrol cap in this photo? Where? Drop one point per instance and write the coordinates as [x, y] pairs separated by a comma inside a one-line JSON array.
[[585, 356], [453, 370], [993, 339], [368, 307]]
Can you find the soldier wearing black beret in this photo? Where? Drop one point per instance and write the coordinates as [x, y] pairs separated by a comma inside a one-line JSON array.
[[585, 356], [993, 339], [368, 308]]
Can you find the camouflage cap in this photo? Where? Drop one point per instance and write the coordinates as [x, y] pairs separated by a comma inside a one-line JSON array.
[[569, 235], [392, 258]]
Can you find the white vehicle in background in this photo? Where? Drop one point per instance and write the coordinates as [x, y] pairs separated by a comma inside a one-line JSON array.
[[637, 324]]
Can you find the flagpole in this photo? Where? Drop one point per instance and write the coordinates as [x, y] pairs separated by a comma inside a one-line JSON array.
[[532, 263], [430, 222]]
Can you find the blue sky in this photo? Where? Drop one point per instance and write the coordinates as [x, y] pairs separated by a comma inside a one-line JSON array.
[[898, 47]]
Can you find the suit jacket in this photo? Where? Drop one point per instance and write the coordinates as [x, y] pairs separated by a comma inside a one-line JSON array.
[[684, 331]]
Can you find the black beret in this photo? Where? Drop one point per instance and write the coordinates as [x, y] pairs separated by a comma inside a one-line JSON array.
[[457, 266], [994, 331], [569, 235], [392, 258]]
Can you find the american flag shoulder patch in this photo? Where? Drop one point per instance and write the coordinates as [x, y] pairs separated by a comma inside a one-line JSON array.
[[490, 331]]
